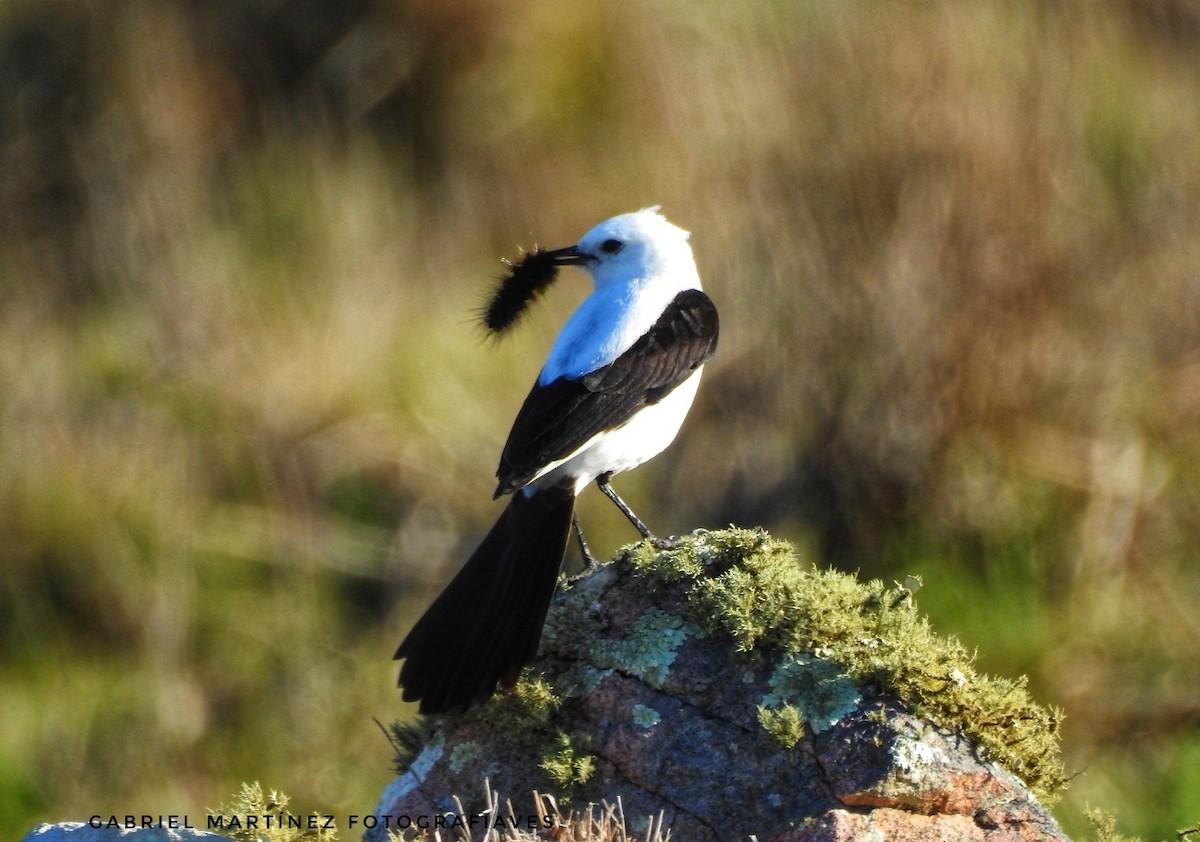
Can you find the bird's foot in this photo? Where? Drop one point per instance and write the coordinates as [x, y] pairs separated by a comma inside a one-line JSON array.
[[671, 543], [590, 567]]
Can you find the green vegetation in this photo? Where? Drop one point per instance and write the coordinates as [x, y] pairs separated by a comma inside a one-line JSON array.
[[818, 639], [257, 816], [247, 425], [526, 717], [785, 723], [1104, 826], [520, 722], [569, 765], [755, 589]]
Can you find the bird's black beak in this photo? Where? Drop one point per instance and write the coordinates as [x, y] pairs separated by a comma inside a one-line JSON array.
[[570, 256]]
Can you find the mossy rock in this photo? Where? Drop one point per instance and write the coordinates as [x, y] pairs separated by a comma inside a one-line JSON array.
[[736, 689]]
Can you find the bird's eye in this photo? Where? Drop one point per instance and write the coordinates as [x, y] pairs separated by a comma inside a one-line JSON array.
[[611, 246]]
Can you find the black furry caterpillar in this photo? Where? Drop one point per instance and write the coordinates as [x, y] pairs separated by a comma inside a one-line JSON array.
[[530, 276]]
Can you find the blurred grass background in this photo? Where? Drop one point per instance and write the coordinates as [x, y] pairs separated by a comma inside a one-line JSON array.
[[248, 427]]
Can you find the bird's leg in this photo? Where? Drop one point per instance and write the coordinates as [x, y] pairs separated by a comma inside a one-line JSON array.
[[590, 565], [611, 494]]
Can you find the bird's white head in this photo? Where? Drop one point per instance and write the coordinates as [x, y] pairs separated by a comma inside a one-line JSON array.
[[633, 246]]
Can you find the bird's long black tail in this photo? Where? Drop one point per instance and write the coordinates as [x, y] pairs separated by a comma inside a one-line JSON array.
[[486, 624]]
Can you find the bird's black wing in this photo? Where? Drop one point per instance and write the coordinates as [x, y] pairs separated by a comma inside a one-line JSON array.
[[558, 418]]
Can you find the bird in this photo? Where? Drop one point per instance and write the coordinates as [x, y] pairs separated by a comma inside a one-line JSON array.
[[615, 388]]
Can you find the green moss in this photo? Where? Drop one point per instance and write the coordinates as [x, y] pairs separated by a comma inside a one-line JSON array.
[[528, 708], [1104, 823], [785, 724], [756, 589], [568, 764], [256, 816], [521, 724]]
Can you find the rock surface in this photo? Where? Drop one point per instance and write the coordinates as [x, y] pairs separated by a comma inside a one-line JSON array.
[[641, 698], [83, 832]]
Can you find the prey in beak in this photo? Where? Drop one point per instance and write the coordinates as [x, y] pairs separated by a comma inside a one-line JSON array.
[[530, 276]]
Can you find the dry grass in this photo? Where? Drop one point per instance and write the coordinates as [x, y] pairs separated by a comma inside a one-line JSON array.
[[594, 823]]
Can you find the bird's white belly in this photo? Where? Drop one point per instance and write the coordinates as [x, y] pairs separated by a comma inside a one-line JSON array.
[[640, 439]]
